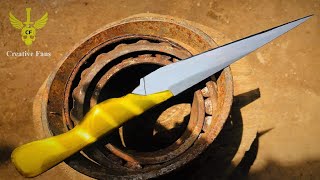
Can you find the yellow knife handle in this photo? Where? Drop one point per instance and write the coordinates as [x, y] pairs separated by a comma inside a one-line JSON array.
[[36, 157]]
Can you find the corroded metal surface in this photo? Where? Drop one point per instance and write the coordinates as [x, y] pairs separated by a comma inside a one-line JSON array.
[[120, 50], [108, 64]]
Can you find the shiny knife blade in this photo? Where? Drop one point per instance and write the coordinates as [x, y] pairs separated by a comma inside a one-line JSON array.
[[181, 75]]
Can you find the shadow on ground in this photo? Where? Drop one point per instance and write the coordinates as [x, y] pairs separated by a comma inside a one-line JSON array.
[[215, 162], [5, 153]]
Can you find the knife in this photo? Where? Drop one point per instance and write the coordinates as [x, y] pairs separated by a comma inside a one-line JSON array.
[[36, 157]]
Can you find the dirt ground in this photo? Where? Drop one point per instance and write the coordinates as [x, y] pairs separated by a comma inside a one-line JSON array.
[[286, 70]]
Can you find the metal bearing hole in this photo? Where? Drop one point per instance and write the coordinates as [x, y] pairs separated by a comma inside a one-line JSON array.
[[145, 133]]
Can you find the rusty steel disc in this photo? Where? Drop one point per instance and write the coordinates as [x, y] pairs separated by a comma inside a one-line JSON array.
[[110, 64]]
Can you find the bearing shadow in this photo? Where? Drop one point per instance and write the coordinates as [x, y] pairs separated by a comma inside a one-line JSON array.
[[215, 161]]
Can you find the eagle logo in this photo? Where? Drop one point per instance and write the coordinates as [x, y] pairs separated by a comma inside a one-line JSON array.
[[28, 28]]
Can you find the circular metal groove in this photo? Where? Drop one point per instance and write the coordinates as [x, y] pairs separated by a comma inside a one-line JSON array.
[[92, 70]]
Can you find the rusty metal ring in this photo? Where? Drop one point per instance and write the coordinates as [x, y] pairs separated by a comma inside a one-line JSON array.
[[145, 158], [162, 155], [66, 76], [185, 141], [103, 59]]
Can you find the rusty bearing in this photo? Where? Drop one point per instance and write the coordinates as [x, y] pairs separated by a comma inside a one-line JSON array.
[[109, 64]]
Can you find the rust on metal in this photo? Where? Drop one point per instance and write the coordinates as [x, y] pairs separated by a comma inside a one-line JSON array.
[[103, 59], [94, 71]]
